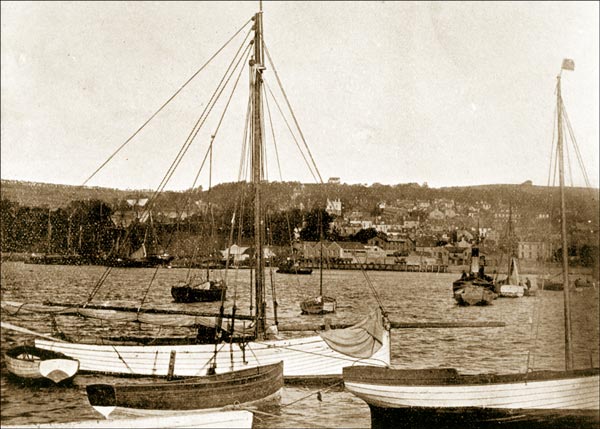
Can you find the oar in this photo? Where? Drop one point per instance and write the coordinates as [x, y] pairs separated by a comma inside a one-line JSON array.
[[11, 327]]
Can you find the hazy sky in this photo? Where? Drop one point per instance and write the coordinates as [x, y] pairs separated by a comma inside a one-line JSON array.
[[392, 92]]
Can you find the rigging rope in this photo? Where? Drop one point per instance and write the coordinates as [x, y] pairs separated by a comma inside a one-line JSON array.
[[201, 121], [265, 98], [168, 101], [310, 169], [197, 126], [291, 111], [552, 146], [575, 146], [147, 290], [375, 294], [214, 135]]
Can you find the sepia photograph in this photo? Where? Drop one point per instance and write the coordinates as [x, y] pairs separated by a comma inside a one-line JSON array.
[[281, 214]]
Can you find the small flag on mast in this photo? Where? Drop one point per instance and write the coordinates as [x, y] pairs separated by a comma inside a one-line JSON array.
[[568, 64]]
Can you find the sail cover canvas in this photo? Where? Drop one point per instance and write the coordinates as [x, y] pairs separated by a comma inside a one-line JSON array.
[[360, 340]]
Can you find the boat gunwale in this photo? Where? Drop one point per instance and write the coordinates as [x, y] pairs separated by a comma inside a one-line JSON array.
[[391, 377]]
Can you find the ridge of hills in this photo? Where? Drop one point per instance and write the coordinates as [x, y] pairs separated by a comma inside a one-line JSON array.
[[284, 195]]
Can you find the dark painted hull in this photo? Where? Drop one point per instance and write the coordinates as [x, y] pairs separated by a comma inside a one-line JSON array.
[[474, 296], [237, 387], [473, 291], [466, 418], [190, 294], [462, 283]]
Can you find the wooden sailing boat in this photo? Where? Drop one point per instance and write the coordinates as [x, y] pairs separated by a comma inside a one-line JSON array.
[[511, 286], [207, 291], [320, 304], [204, 393], [192, 290], [315, 357], [142, 257], [434, 397]]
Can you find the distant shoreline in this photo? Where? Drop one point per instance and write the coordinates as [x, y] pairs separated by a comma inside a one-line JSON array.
[[525, 268]]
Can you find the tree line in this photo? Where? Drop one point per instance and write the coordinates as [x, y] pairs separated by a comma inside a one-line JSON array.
[[86, 228]]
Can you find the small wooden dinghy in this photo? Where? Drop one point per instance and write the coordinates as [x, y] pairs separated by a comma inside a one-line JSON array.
[[34, 364], [201, 393], [219, 419], [319, 305]]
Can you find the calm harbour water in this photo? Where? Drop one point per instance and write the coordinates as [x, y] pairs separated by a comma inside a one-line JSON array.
[[533, 332]]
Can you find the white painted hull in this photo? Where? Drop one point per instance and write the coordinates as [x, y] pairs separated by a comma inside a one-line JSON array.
[[512, 291], [304, 358], [581, 393], [26, 364], [220, 419], [59, 370]]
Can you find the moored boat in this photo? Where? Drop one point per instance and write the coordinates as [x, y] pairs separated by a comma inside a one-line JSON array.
[[33, 364], [474, 288], [291, 267], [220, 419], [202, 393], [313, 358], [511, 286], [512, 291], [319, 305], [443, 396], [208, 291], [474, 294]]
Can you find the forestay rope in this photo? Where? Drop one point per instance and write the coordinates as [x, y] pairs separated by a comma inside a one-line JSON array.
[[186, 145], [167, 102]]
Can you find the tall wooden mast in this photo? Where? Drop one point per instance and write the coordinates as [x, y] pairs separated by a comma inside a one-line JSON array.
[[257, 68], [563, 222]]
